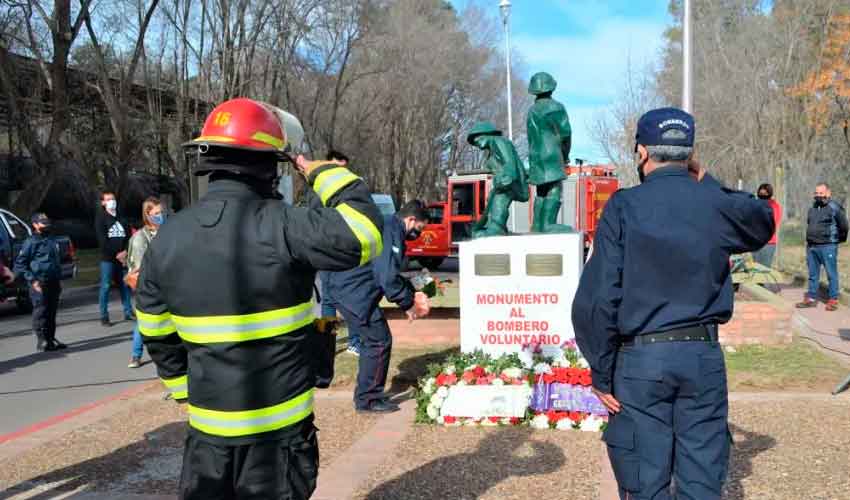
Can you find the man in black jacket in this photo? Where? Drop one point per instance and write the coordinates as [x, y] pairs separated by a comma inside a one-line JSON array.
[[113, 234], [39, 263], [826, 228]]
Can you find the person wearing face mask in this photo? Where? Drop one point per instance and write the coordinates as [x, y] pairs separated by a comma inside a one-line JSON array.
[[113, 234], [647, 309], [39, 263], [153, 217], [826, 228], [765, 255], [358, 293]]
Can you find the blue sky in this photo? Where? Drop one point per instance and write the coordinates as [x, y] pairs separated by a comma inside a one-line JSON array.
[[586, 45]]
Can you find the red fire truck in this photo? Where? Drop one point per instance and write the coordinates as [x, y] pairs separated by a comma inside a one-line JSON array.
[[586, 190]]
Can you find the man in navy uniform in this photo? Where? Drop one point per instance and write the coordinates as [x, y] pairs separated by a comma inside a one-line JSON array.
[[647, 309]]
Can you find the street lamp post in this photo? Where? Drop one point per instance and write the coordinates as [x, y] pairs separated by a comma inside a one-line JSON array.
[[687, 59], [505, 8]]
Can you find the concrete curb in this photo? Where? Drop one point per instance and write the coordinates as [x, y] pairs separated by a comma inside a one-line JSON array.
[[342, 478]]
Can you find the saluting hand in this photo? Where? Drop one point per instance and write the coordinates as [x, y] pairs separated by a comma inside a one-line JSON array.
[[608, 400], [306, 166], [696, 170], [36, 286]]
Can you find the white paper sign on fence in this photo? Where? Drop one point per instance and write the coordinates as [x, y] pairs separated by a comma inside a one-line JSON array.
[[480, 401]]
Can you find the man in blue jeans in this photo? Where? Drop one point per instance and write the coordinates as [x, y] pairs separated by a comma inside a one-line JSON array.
[[113, 234], [826, 228]]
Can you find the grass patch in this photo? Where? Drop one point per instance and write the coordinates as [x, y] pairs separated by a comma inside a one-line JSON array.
[[407, 364], [793, 367], [88, 268]]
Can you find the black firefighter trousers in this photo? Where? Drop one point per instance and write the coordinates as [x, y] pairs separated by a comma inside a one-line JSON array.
[[276, 469]]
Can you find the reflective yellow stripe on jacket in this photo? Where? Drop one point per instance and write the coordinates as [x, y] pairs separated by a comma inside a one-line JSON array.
[[331, 181], [245, 423], [371, 243], [155, 325], [245, 327], [178, 387]]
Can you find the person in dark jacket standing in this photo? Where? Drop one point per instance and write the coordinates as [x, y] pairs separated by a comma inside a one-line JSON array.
[[224, 301], [647, 308], [358, 293], [826, 228], [113, 235], [39, 263]]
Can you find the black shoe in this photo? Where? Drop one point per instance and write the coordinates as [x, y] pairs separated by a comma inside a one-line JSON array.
[[379, 406], [51, 347], [105, 322], [59, 345]]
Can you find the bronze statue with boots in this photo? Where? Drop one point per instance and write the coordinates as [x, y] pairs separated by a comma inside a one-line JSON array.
[[549, 137], [509, 182]]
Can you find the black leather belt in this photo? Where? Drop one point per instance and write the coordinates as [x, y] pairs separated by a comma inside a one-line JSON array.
[[699, 333]]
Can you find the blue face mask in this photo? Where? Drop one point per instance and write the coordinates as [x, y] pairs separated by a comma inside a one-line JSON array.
[[158, 219]]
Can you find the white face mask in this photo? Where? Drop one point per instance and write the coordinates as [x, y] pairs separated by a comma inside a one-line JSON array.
[[111, 205]]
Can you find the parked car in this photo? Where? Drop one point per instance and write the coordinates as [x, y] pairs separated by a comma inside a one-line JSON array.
[[13, 233]]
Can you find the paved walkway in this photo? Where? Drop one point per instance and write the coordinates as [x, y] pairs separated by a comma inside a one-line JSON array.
[[830, 330]]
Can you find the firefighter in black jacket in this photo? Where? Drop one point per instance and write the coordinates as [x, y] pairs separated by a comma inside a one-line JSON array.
[[224, 306]]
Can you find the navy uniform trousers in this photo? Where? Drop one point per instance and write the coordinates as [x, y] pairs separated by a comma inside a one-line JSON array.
[[673, 421], [376, 344]]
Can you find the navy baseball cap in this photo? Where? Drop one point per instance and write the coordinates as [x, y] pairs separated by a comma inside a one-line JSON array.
[[40, 218], [665, 127]]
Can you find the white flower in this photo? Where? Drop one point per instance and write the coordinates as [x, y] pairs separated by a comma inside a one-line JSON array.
[[541, 368], [436, 401], [526, 383], [443, 392], [497, 381], [512, 372], [488, 369], [526, 357], [591, 424], [461, 382], [540, 421], [506, 421], [489, 423], [433, 412], [582, 363], [449, 370], [441, 420], [428, 388], [470, 422], [564, 424]]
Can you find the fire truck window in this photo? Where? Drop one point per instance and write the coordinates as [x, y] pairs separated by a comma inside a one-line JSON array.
[[462, 199], [435, 215], [482, 194]]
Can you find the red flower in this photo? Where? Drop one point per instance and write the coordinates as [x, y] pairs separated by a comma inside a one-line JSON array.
[[468, 377], [495, 420], [562, 375], [443, 379], [575, 416], [514, 420], [449, 420], [585, 379], [517, 381], [548, 378], [479, 371]]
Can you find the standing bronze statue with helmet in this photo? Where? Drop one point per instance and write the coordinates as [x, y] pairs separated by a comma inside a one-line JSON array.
[[549, 140], [509, 182], [225, 307]]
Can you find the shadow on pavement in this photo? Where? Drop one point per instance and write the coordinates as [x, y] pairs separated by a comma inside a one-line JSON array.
[[844, 333], [741, 465], [470, 475], [78, 386], [106, 472], [73, 347], [412, 369]]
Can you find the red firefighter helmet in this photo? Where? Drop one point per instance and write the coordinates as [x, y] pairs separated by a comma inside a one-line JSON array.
[[242, 123]]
